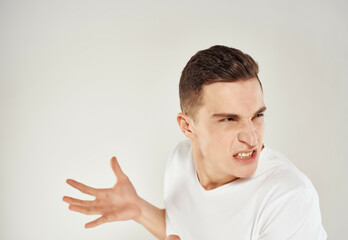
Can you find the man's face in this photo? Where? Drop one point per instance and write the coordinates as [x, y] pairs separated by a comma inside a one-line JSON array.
[[229, 121]]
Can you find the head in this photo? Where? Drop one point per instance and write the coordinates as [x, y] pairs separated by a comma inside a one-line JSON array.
[[221, 99]]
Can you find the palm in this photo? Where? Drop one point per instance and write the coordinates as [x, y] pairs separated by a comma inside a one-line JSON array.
[[113, 204]]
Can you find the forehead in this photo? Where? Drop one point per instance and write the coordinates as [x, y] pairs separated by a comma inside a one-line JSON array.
[[240, 97]]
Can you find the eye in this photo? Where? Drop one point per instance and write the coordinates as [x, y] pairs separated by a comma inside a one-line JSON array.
[[227, 119], [259, 115]]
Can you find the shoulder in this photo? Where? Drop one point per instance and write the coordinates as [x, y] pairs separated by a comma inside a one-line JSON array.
[[290, 199], [290, 205], [281, 174], [179, 154], [181, 150], [177, 167]]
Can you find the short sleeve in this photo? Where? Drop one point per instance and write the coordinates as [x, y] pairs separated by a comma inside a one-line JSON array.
[[293, 216]]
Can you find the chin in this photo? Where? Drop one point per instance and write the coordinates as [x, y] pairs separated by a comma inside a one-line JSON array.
[[246, 172]]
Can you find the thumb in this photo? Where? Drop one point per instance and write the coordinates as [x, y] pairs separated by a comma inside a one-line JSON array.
[[116, 167], [173, 237]]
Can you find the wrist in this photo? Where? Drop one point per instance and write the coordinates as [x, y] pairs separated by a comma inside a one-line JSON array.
[[140, 205]]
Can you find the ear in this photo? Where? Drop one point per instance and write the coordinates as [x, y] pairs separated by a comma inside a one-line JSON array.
[[185, 124]]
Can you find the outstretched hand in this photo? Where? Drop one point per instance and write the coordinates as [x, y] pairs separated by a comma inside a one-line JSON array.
[[118, 203]]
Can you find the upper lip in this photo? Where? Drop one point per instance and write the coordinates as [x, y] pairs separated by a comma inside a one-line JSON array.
[[245, 151]]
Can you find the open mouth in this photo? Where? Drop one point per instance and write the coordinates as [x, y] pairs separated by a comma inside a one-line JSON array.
[[246, 157]]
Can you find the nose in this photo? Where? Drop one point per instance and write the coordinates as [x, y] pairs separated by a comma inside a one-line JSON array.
[[248, 135]]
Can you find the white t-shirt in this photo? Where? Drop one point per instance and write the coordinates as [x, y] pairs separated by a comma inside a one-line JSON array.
[[277, 202]]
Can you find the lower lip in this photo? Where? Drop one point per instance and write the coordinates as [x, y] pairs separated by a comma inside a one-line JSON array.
[[247, 160]]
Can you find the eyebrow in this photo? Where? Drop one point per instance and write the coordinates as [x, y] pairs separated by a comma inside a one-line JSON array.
[[236, 116]]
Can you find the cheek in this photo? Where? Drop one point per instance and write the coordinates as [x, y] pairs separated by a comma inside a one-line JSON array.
[[260, 128], [213, 138], [220, 132], [205, 136], [207, 132], [224, 135]]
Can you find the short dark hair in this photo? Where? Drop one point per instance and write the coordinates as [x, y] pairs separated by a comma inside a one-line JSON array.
[[215, 64]]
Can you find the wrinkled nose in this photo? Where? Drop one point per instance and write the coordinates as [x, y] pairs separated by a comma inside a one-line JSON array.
[[248, 135]]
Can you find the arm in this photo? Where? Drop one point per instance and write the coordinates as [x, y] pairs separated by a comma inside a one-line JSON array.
[[152, 218], [119, 203]]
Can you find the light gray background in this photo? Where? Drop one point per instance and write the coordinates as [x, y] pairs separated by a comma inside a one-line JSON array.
[[81, 81]]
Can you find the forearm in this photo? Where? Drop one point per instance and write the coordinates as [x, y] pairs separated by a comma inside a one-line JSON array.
[[152, 218]]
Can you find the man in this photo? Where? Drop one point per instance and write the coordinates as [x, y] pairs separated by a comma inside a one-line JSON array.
[[222, 182]]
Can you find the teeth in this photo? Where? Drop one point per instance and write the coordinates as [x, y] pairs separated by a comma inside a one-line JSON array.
[[244, 154]]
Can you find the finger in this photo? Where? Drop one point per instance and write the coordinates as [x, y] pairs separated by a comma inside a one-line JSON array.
[[84, 210], [82, 187], [96, 222], [79, 202], [117, 169], [173, 237]]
